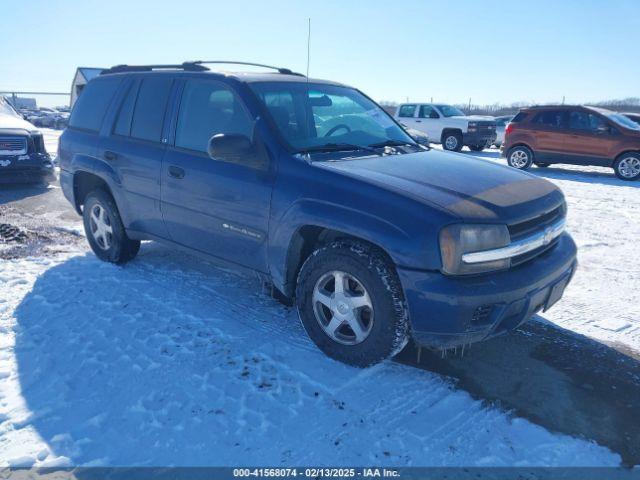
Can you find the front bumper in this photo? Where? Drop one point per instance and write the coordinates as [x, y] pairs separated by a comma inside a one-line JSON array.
[[29, 168], [479, 138], [448, 311]]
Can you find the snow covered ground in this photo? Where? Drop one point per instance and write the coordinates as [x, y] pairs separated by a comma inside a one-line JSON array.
[[171, 361]]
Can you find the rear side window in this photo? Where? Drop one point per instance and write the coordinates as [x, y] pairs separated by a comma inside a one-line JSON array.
[[549, 118], [520, 116], [123, 123], [91, 106], [150, 107], [407, 111], [207, 109]]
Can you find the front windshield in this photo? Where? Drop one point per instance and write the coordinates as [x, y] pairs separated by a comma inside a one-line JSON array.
[[313, 116], [449, 111], [623, 121]]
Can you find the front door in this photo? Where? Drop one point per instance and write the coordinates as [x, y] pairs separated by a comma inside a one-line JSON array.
[[214, 206], [430, 122], [590, 139]]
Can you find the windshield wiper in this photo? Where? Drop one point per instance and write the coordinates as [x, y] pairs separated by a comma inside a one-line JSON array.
[[392, 143], [338, 147]]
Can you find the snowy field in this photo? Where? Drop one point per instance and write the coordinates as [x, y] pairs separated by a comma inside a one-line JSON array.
[[172, 361]]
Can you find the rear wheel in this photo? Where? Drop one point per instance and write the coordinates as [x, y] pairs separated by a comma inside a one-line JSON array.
[[104, 230], [351, 303], [452, 141], [520, 157], [627, 166]]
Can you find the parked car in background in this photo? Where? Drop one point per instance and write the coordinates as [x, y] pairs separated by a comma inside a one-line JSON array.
[[633, 116], [576, 135], [501, 125], [448, 125], [23, 157], [314, 186]]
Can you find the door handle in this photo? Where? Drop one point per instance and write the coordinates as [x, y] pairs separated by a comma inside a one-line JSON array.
[[418, 121], [109, 155], [176, 172]]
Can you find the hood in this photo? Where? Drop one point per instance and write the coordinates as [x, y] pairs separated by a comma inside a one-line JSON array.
[[9, 121], [468, 187]]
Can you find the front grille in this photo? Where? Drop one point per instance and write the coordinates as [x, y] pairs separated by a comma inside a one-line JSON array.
[[13, 145], [532, 225], [486, 127]]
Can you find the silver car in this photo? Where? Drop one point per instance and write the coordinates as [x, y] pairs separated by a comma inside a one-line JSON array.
[[501, 125]]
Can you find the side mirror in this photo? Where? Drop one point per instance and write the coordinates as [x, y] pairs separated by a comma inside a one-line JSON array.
[[234, 148]]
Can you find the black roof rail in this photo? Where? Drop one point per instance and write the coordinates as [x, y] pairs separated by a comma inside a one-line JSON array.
[[285, 71], [186, 66]]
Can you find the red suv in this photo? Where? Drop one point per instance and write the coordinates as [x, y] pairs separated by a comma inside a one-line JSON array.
[[575, 135]]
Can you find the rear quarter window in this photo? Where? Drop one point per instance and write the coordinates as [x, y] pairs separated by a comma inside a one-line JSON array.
[[90, 108], [549, 118]]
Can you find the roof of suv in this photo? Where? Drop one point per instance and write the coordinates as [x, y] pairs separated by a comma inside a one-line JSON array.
[[565, 107], [191, 68]]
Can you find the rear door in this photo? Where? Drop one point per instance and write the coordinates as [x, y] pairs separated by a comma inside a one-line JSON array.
[[214, 206], [551, 133], [407, 116], [591, 139], [134, 148]]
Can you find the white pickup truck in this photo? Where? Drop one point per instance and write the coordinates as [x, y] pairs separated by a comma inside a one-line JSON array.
[[449, 126]]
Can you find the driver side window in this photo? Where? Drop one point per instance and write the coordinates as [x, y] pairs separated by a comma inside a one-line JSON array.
[[427, 111], [207, 109]]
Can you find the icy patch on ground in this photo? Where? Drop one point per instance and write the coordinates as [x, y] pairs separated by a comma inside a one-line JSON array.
[[169, 361]]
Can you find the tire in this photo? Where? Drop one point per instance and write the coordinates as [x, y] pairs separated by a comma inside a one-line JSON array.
[[111, 244], [520, 157], [381, 310], [452, 141], [627, 166], [542, 165], [476, 148]]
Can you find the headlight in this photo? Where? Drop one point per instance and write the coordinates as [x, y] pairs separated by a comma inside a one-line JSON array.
[[456, 240]]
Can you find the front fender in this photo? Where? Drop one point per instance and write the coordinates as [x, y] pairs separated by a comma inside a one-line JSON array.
[[394, 239]]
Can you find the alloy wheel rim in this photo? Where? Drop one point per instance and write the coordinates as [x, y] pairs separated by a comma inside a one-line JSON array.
[[101, 229], [629, 167], [451, 142], [343, 307], [519, 158]]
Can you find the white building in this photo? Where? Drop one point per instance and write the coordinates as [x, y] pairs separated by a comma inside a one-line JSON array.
[[81, 78]]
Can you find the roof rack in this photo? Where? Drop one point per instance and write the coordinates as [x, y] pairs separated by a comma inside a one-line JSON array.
[[195, 66], [284, 71], [186, 66]]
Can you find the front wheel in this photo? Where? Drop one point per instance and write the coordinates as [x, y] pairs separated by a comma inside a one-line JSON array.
[[104, 230], [627, 166], [520, 157], [351, 303], [452, 141]]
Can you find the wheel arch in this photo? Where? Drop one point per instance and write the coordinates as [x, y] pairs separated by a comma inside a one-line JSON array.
[[308, 238], [448, 130]]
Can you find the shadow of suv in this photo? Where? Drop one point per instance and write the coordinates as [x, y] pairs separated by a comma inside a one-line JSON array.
[[315, 187], [574, 135]]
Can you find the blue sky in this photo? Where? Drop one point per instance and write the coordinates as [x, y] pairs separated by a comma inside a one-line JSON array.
[[489, 51]]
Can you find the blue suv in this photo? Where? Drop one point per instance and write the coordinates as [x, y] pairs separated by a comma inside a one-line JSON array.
[[376, 238]]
